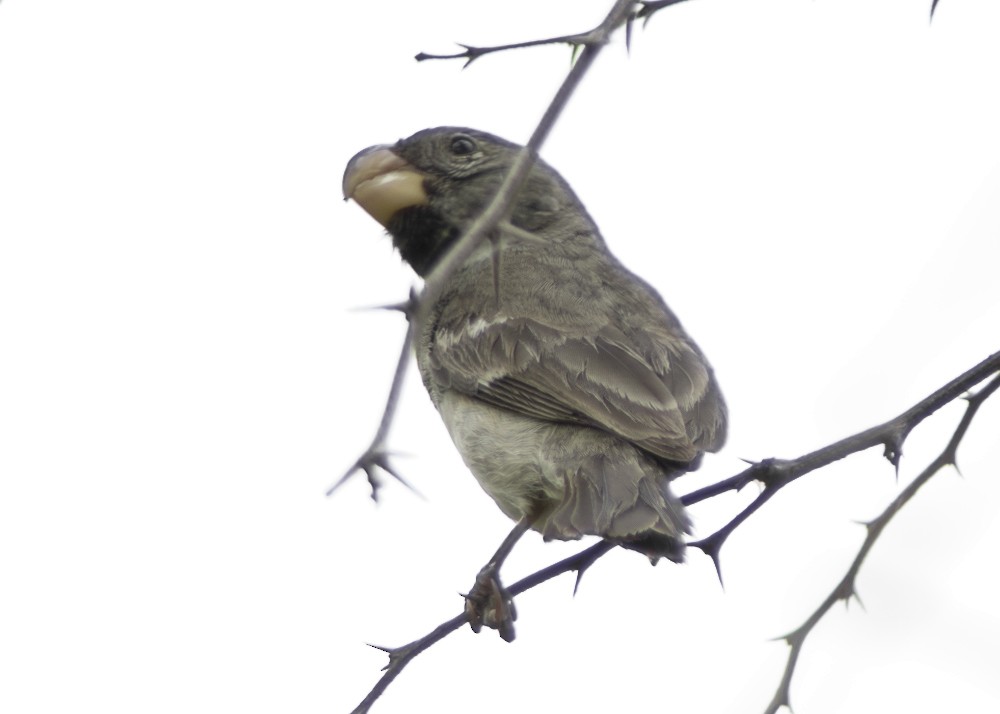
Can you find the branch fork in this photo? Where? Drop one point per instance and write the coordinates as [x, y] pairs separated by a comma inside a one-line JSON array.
[[491, 604]]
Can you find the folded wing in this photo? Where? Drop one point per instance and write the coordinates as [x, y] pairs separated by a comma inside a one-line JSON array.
[[655, 392]]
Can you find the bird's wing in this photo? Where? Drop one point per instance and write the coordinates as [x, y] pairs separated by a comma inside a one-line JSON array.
[[599, 379]]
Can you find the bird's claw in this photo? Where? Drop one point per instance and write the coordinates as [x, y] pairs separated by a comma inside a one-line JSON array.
[[489, 603]]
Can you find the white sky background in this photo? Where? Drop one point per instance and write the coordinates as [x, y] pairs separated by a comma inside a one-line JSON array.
[[814, 186]]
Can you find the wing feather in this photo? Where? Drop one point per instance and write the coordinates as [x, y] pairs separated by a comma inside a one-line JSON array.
[[655, 400]]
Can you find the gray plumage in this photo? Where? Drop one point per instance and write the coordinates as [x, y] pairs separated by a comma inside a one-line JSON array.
[[571, 391]]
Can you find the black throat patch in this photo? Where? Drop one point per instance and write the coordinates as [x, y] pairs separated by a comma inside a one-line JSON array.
[[421, 236]]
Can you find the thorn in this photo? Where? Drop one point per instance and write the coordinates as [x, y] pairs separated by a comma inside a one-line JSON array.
[[370, 308], [575, 52], [406, 307], [382, 461], [718, 569], [646, 18], [893, 453], [712, 551], [861, 603], [380, 648], [369, 462], [628, 33], [470, 52], [342, 479], [579, 575], [845, 591], [793, 638]]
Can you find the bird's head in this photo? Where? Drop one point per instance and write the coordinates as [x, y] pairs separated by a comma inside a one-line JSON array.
[[427, 189]]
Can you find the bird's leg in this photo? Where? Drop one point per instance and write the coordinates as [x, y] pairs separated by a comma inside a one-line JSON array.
[[489, 603]]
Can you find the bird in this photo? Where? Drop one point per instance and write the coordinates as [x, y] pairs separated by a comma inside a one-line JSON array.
[[569, 388]]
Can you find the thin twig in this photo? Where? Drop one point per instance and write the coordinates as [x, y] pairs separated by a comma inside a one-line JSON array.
[[525, 159], [399, 657], [472, 53], [775, 474], [622, 13], [846, 588], [375, 456]]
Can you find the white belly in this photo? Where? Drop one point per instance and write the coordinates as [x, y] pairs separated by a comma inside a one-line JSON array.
[[505, 452]]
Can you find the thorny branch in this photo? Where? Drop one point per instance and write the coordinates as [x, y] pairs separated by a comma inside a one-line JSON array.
[[375, 456], [845, 589], [502, 202], [399, 657], [646, 10], [775, 474], [471, 53]]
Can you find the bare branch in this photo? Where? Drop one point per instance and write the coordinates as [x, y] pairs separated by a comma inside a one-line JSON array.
[[621, 13], [472, 53], [504, 199], [846, 588], [375, 456], [775, 474], [399, 657]]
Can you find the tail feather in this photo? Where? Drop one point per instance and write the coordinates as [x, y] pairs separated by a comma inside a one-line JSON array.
[[625, 500]]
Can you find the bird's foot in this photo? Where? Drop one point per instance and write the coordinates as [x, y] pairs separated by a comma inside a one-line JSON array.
[[489, 603]]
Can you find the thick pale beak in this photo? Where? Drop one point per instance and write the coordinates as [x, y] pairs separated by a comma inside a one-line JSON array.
[[382, 183]]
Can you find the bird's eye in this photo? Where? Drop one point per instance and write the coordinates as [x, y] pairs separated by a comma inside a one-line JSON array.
[[462, 145]]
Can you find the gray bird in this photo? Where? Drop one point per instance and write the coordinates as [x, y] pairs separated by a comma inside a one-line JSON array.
[[569, 388]]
